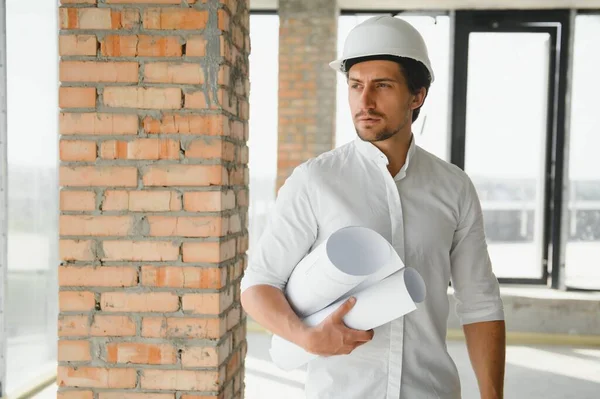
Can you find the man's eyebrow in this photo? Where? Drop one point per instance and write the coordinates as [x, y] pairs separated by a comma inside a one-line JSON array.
[[374, 80]]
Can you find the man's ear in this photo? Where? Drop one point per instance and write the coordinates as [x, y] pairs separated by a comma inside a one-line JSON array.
[[419, 98]]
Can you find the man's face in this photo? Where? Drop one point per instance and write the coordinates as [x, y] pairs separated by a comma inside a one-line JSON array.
[[380, 101]]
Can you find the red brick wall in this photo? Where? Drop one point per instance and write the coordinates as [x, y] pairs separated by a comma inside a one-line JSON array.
[[154, 197], [307, 85]]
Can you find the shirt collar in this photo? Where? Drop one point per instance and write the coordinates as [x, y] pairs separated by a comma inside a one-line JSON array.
[[373, 153]]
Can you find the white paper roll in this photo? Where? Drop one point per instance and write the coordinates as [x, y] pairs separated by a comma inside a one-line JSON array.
[[352, 257], [387, 300]]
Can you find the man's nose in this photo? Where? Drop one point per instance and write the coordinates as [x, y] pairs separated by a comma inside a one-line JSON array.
[[367, 99]]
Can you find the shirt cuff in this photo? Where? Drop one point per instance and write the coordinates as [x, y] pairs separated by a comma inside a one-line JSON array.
[[253, 277], [480, 317]]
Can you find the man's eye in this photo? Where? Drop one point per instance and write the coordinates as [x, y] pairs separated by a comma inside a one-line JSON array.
[[383, 85]]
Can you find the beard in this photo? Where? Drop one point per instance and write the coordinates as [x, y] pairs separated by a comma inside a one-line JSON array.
[[386, 132]]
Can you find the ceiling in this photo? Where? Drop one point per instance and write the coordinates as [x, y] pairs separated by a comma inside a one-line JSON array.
[[444, 4]]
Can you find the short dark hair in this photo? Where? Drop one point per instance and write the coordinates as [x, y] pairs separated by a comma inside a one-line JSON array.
[[415, 73]]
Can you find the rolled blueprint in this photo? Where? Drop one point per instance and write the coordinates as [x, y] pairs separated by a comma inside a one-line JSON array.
[[387, 300], [351, 259]]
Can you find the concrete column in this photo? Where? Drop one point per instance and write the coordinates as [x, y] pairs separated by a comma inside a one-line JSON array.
[[307, 85], [154, 197]]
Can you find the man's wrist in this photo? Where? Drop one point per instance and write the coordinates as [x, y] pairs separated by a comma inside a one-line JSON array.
[[304, 337]]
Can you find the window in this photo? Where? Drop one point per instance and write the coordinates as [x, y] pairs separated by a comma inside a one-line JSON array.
[[32, 287], [262, 143], [583, 198], [431, 128]]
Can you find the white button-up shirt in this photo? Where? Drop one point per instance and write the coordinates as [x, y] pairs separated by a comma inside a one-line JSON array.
[[431, 215]]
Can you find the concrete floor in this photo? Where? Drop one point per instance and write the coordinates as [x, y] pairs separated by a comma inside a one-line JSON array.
[[532, 372]]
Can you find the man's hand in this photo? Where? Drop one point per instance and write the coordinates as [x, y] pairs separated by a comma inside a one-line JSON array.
[[333, 337]]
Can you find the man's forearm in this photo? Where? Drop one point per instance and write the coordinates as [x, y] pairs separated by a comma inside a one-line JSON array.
[[486, 342], [268, 306]]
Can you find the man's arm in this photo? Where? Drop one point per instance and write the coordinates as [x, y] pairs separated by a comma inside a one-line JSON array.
[[289, 234], [477, 292], [486, 343], [268, 307]]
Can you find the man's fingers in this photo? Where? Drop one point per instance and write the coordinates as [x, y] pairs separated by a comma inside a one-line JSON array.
[[340, 312], [362, 336]]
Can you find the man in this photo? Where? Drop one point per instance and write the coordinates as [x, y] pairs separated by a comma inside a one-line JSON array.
[[426, 208]]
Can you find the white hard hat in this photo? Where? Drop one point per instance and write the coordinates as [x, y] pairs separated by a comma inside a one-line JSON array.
[[384, 35]]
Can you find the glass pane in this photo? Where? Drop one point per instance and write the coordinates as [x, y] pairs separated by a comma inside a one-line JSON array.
[[583, 245], [431, 128], [262, 143], [32, 288], [505, 142]]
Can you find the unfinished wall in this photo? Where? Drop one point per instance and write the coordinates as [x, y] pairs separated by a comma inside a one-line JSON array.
[[153, 225], [307, 85]]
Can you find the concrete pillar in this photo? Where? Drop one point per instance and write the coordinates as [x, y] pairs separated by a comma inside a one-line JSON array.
[[307, 86], [153, 204]]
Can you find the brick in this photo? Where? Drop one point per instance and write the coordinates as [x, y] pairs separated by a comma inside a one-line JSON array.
[[207, 303], [174, 19], [74, 351], [152, 46], [143, 97], [142, 201], [242, 198], [182, 226], [75, 395], [208, 201], [209, 252], [115, 201], [77, 200], [197, 100], [233, 317], [143, 1], [175, 327], [105, 276], [139, 302], [210, 356], [139, 353], [77, 45], [151, 149], [74, 301], [88, 176], [77, 97], [78, 1], [184, 175], [140, 251], [132, 395], [73, 326], [98, 124], [87, 225], [130, 19], [223, 20], [119, 46], [210, 125], [211, 149], [95, 377], [195, 46], [184, 277], [98, 71], [97, 18], [112, 326], [181, 380], [77, 150], [76, 250], [140, 46], [222, 395], [238, 130], [180, 73]]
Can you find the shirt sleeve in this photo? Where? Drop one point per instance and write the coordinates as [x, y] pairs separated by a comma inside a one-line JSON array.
[[476, 288], [290, 232]]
